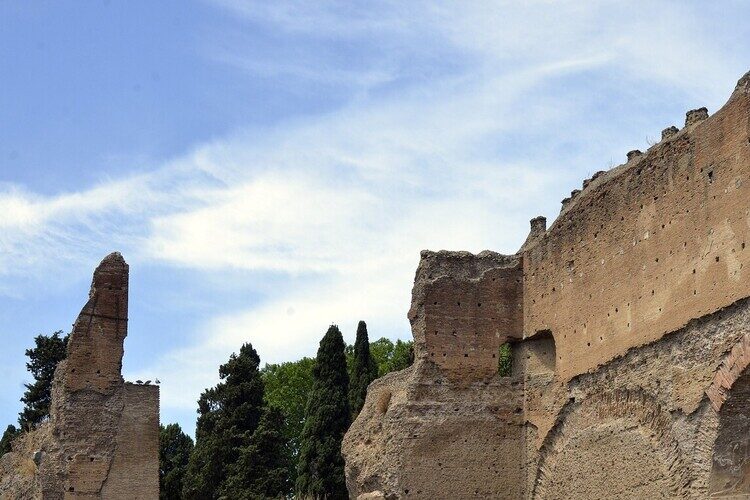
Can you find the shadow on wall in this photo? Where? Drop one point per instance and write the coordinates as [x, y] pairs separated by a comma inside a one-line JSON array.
[[534, 355]]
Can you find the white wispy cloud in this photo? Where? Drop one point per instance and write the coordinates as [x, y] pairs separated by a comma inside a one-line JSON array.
[[37, 231]]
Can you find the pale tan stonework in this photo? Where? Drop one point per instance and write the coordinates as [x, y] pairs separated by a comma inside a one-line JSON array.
[[102, 439], [629, 320]]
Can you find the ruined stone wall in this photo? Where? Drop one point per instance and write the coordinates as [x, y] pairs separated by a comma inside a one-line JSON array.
[[647, 247], [134, 471], [102, 437], [450, 405], [629, 321], [420, 435], [731, 457], [94, 361], [651, 407], [468, 311]]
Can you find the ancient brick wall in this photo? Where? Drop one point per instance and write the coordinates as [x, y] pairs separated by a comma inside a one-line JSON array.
[[647, 247], [651, 407], [102, 438], [134, 470], [468, 315], [94, 360], [731, 453], [441, 428], [629, 323]]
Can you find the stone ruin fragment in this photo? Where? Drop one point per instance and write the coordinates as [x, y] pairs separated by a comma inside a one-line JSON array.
[[629, 326], [102, 438]]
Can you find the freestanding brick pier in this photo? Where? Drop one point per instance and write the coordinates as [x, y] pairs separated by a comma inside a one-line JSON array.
[[102, 439]]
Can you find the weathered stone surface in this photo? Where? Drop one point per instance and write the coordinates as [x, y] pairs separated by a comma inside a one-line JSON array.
[[449, 406], [669, 132], [102, 437], [463, 307], [374, 495], [629, 322], [19, 477], [695, 116]]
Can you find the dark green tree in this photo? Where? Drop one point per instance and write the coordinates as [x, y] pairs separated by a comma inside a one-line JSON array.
[[175, 448], [43, 359], [364, 370], [9, 435], [228, 414], [327, 417], [287, 387], [262, 469]]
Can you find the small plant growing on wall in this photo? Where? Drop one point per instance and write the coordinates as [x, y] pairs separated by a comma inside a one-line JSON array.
[[505, 360]]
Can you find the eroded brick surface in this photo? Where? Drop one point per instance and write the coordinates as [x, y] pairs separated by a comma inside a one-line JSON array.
[[101, 441], [628, 319]]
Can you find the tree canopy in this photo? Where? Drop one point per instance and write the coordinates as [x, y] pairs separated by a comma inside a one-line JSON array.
[[392, 357], [228, 414], [327, 418], [363, 370], [49, 350], [7, 440], [175, 448], [287, 387], [262, 469]]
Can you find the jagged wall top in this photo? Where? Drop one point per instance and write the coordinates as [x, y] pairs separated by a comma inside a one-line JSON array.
[[95, 348], [649, 245], [743, 84], [463, 307]]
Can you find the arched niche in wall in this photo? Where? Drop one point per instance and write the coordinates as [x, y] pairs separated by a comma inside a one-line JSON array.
[[615, 444], [535, 355]]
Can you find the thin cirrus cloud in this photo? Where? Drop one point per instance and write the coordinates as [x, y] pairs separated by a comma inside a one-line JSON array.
[[350, 199], [38, 232], [467, 119]]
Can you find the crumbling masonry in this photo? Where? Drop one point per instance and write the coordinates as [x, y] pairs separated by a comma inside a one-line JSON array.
[[102, 438], [629, 321]]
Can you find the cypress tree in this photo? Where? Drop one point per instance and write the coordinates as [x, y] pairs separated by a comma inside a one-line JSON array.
[[327, 417], [175, 448], [49, 350], [262, 469], [364, 370], [228, 415]]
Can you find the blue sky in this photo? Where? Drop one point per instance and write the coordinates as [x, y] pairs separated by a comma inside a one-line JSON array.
[[268, 168]]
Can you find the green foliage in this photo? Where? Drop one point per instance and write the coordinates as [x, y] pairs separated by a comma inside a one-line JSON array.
[[228, 414], [505, 360], [205, 470], [9, 435], [363, 370], [403, 356], [327, 417], [262, 469], [43, 360], [287, 387], [261, 433], [175, 448], [392, 357]]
